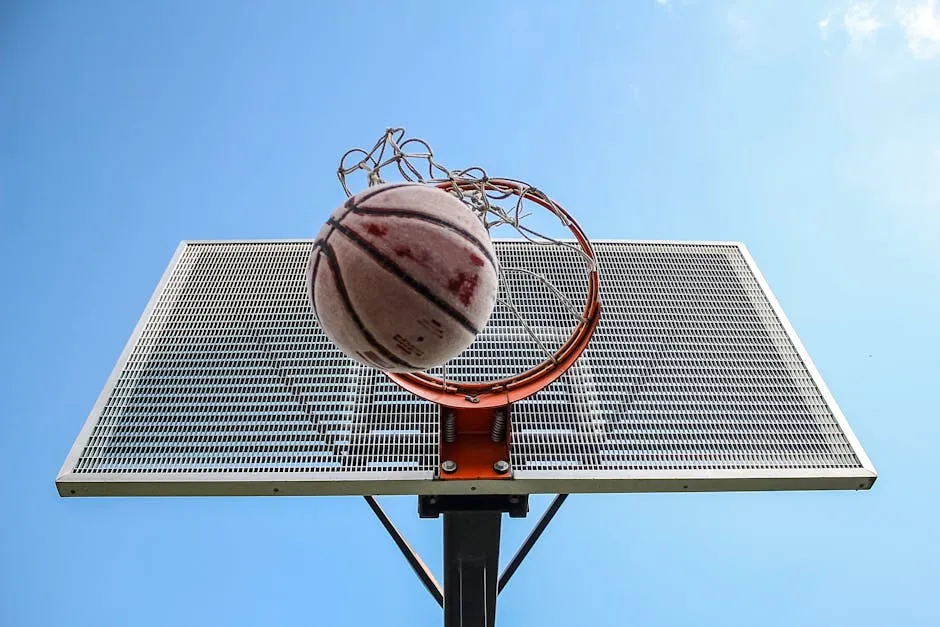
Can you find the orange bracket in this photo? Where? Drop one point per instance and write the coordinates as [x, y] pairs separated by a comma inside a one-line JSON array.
[[474, 443]]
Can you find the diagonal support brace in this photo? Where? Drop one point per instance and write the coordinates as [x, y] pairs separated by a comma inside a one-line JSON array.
[[530, 541], [417, 564]]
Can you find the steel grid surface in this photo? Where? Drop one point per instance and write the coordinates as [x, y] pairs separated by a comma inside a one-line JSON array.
[[694, 381]]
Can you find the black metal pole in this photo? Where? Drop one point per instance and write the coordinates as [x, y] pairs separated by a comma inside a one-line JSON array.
[[471, 563]]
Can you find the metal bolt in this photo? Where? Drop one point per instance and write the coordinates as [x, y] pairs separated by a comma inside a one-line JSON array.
[[502, 466], [448, 465]]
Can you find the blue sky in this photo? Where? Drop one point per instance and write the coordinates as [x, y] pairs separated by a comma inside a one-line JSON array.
[[808, 130]]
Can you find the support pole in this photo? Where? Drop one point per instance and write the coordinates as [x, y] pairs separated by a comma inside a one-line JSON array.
[[471, 562]]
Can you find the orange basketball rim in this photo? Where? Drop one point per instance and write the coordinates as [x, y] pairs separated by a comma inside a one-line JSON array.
[[501, 393]]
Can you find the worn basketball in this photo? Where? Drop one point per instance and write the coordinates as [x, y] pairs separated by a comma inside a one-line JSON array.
[[402, 277]]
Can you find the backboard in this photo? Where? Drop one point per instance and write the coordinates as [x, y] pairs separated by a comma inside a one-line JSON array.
[[694, 381]]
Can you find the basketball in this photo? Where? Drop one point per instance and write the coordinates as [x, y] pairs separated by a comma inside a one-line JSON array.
[[402, 277]]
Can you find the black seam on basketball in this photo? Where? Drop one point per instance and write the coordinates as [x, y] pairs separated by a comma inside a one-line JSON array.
[[350, 205], [406, 278], [353, 202], [327, 236], [317, 248], [430, 219], [327, 251]]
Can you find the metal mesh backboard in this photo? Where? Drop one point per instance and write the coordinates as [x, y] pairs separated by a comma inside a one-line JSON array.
[[694, 381]]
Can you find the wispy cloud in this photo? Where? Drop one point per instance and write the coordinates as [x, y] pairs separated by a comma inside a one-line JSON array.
[[663, 3], [860, 21], [824, 26], [921, 25]]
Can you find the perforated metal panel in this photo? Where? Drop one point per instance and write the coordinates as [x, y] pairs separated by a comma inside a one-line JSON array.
[[694, 381]]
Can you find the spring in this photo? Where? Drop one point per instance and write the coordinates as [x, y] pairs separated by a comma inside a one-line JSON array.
[[498, 430], [450, 427]]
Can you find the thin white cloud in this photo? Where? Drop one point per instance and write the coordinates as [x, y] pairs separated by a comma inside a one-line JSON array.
[[663, 3], [921, 25], [860, 21], [824, 26]]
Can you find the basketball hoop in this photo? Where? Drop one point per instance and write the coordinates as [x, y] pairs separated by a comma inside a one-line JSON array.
[[485, 196], [475, 425]]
